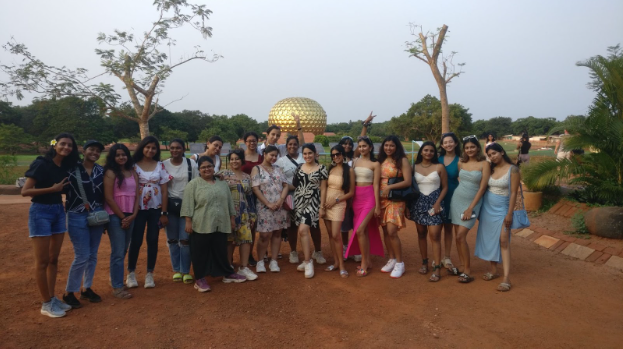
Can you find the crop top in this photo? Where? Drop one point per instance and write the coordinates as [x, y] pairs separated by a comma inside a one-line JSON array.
[[364, 175]]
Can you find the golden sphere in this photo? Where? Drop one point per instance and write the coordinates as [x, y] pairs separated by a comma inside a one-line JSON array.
[[313, 117]]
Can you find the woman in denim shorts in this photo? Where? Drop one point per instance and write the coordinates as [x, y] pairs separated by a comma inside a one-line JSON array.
[[46, 180]]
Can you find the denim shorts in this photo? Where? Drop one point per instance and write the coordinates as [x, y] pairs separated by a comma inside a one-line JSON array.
[[46, 220]]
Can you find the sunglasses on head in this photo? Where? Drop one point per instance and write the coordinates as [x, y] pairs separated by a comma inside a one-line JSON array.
[[470, 137], [335, 155], [362, 138]]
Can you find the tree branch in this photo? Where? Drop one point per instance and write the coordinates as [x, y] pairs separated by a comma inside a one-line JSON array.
[[439, 43]]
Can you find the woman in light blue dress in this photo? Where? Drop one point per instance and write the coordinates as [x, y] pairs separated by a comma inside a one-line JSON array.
[[467, 198], [496, 215]]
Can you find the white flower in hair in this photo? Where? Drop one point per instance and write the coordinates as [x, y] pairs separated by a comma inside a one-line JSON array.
[[53, 142]]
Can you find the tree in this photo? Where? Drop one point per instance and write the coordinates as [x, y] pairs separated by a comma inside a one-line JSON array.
[[534, 126], [141, 64], [12, 138], [499, 126], [222, 127], [322, 139], [167, 134], [429, 54]]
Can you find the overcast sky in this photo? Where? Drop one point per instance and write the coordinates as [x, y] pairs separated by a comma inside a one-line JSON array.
[[348, 55]]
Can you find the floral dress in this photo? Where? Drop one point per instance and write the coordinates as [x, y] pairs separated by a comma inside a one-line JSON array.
[[391, 211], [149, 186], [271, 186], [307, 195], [244, 204]]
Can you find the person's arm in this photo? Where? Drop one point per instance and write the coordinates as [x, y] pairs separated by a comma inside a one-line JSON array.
[[301, 136], [323, 196], [257, 191], [518, 145], [29, 187], [366, 122], [484, 183], [443, 175], [164, 188], [515, 178], [109, 186], [406, 175], [556, 147], [376, 185], [351, 190], [188, 206]]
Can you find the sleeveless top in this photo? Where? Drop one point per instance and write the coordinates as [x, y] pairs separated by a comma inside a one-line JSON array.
[[124, 197], [249, 165], [428, 184], [500, 186], [363, 174]]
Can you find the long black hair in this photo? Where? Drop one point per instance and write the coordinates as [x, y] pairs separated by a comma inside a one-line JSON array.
[[368, 141], [434, 160], [70, 160], [397, 155], [345, 168], [457, 149], [499, 149], [138, 153], [112, 165], [345, 139]]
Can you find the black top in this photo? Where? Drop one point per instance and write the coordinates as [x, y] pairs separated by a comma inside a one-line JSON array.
[[93, 188], [525, 147], [46, 173]]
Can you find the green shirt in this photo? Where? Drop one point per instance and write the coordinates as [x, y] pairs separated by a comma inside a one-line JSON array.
[[210, 206]]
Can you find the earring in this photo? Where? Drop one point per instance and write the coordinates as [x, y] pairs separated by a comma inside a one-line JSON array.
[[333, 163]]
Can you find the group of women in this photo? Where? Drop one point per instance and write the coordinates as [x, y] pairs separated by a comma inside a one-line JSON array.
[[280, 191]]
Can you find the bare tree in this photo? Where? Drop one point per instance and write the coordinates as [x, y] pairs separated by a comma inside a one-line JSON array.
[[140, 63], [427, 48]]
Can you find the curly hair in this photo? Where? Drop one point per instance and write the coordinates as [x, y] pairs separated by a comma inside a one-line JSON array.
[[112, 165]]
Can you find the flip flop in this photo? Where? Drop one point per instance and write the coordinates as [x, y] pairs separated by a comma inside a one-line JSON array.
[[362, 273], [504, 287], [488, 276], [331, 268], [344, 274]]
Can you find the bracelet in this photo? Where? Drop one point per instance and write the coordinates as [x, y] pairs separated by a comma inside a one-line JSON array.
[[366, 125], [300, 128]]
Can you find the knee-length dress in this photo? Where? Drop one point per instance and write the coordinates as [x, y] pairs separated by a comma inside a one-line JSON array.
[[244, 204], [452, 171], [391, 211], [334, 190], [463, 195], [307, 195], [271, 186], [492, 213], [430, 189]]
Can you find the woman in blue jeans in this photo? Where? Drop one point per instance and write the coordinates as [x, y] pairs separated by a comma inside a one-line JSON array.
[[85, 239], [182, 170], [46, 179], [121, 195]]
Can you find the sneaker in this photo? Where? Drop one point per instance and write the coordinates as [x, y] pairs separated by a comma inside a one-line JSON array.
[[247, 273], [51, 309], [252, 261], [237, 278], [389, 266], [121, 293], [201, 285], [319, 257], [260, 268], [149, 280], [130, 281], [177, 277], [357, 258], [301, 267], [90, 295], [63, 306], [71, 300], [309, 269], [273, 266], [294, 257], [399, 269]]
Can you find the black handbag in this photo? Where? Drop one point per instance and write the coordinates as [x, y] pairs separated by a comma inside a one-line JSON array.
[[175, 204], [410, 193]]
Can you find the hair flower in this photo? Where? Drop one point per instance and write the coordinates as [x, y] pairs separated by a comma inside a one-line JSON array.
[[53, 142]]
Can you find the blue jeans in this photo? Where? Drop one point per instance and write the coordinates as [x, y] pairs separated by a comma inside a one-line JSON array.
[[119, 242], [151, 219], [46, 219], [86, 241], [177, 239]]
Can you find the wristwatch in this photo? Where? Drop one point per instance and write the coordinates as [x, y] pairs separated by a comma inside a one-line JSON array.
[[164, 213], [337, 200]]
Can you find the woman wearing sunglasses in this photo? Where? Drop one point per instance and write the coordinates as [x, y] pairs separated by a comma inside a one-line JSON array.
[[474, 173]]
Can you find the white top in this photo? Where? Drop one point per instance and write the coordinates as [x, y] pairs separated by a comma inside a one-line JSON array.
[[180, 176], [149, 183], [500, 186], [428, 184], [282, 149], [288, 167]]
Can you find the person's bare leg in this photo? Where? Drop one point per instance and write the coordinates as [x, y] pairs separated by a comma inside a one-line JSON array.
[[41, 248], [422, 231], [388, 245], [305, 241], [435, 239], [463, 248], [329, 225], [316, 237], [56, 242], [505, 249], [292, 237], [394, 241], [275, 244], [262, 244], [448, 229], [337, 244], [364, 241], [244, 250]]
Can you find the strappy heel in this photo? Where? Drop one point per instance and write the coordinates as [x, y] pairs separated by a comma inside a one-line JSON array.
[[424, 269]]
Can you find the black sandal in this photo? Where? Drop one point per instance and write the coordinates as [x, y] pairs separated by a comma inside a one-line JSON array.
[[465, 278], [424, 269]]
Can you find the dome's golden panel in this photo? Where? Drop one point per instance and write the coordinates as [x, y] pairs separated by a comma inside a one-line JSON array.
[[313, 117]]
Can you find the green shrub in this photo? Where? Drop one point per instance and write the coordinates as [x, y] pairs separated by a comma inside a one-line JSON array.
[[577, 221], [7, 167]]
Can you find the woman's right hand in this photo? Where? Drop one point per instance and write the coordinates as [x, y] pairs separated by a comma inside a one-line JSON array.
[[188, 228], [467, 214], [61, 185], [369, 118]]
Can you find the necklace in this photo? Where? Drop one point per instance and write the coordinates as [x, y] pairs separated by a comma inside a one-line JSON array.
[[426, 166]]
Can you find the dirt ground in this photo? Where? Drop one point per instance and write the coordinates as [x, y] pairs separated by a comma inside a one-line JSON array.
[[555, 302]]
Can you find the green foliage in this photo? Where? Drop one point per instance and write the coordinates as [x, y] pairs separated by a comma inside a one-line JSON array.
[[7, 166], [534, 126], [577, 221], [168, 134], [324, 140], [12, 138]]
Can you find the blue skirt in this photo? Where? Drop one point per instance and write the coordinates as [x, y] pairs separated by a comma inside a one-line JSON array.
[[491, 219]]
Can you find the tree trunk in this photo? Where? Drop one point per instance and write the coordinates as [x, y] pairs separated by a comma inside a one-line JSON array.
[[445, 110], [143, 125]]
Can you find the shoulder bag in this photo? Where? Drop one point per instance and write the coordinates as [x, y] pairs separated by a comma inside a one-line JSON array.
[[520, 216], [175, 204], [405, 194], [94, 218]]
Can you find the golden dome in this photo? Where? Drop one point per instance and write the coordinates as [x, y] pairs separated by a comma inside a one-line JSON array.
[[313, 117]]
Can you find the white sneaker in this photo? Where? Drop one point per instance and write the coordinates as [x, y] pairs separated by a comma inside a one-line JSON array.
[[51, 309], [301, 267], [294, 257], [357, 258], [399, 269], [248, 273], [309, 269], [260, 268], [149, 280], [319, 257], [273, 266], [130, 281], [389, 266], [61, 305]]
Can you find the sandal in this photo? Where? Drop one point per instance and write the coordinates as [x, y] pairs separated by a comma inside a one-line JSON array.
[[504, 287], [424, 269], [188, 279], [362, 273], [488, 276], [465, 278], [121, 293], [177, 277], [343, 274], [359, 267], [434, 277], [331, 268], [447, 263]]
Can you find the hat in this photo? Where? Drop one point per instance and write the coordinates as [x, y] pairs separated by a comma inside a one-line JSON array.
[[92, 142]]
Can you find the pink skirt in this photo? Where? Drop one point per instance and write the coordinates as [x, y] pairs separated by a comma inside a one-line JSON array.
[[363, 203]]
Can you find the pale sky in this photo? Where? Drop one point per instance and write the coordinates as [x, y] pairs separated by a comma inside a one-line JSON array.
[[347, 55]]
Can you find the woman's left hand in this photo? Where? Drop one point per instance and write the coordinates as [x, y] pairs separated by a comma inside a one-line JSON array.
[[508, 220], [164, 220], [233, 223], [322, 212], [385, 193], [437, 208]]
